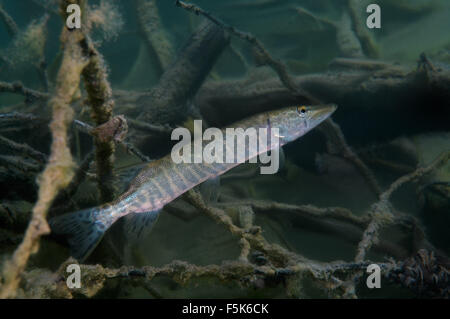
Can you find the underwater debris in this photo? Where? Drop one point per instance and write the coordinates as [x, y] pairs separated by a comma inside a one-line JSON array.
[[165, 103], [67, 193], [385, 91], [59, 170], [151, 29], [28, 45], [150, 128], [9, 22], [358, 64], [264, 55], [106, 18], [382, 214], [16, 121], [348, 42], [23, 149], [366, 38], [435, 198], [26, 166], [114, 130], [101, 101], [346, 39], [425, 273], [15, 215], [17, 87], [337, 144]]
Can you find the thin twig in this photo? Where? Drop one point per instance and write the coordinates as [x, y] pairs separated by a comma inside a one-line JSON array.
[[10, 24], [20, 164], [134, 150], [18, 88], [337, 144], [150, 128], [421, 171], [23, 149], [275, 64]]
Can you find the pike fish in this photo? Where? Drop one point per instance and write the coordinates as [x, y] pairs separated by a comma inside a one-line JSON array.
[[162, 181]]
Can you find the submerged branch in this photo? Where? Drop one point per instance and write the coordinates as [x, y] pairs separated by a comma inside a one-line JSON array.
[[442, 159], [19, 88], [59, 170], [153, 33], [365, 37], [166, 102], [66, 194], [337, 144], [9, 22], [370, 94], [265, 56], [23, 149], [382, 213], [117, 135], [150, 128], [101, 101]]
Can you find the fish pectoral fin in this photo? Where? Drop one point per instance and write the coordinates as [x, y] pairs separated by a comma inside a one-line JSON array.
[[138, 225]]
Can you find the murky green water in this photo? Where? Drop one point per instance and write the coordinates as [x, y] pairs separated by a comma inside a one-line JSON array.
[[391, 85]]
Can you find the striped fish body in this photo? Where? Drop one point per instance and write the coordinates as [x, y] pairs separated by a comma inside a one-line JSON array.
[[162, 181]]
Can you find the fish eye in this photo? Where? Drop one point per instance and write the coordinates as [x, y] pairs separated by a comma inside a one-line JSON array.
[[301, 110]]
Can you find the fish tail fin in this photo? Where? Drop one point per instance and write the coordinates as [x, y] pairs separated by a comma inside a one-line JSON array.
[[83, 229]]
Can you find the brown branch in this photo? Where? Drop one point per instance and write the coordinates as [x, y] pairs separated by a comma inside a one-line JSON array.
[[442, 159], [338, 145], [242, 273], [23, 149], [88, 129], [21, 164], [166, 102], [336, 221], [153, 33], [149, 128], [265, 56], [101, 102], [277, 255], [365, 37], [59, 170], [135, 151], [382, 213], [9, 22], [19, 88], [66, 194], [359, 64], [363, 94]]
